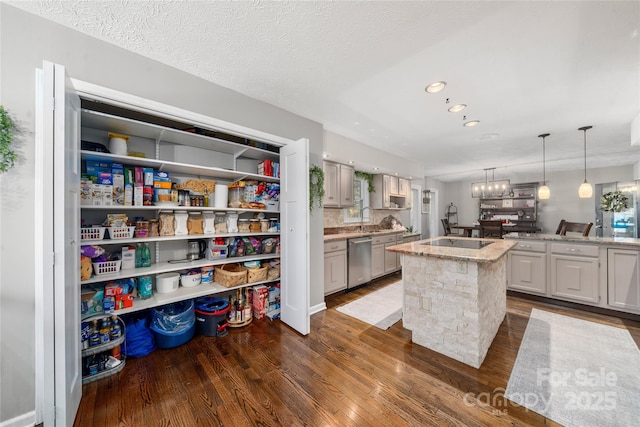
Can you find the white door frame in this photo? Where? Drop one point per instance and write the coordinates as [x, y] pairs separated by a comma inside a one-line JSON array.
[[416, 208], [434, 216]]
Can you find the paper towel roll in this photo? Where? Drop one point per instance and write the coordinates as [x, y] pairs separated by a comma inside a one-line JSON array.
[[220, 196]]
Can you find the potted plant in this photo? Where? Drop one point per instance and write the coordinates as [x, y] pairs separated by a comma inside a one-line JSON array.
[[316, 186], [8, 129]]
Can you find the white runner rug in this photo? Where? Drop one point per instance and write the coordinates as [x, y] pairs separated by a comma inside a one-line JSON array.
[[577, 373], [381, 308]]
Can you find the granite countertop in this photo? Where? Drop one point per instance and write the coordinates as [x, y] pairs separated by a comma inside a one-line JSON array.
[[489, 253], [621, 241], [351, 234]]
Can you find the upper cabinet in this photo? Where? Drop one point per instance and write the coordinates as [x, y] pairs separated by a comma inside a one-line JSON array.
[[338, 185], [391, 192]]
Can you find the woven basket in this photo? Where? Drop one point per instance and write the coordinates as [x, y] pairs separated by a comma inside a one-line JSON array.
[[229, 275], [257, 274]]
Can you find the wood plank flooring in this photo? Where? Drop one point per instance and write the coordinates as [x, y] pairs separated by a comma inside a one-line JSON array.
[[345, 373]]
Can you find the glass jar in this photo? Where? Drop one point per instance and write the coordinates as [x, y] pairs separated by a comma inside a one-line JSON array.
[[180, 223], [220, 222], [243, 226], [166, 223], [208, 219], [142, 228], [195, 223], [154, 228], [254, 225], [264, 225]]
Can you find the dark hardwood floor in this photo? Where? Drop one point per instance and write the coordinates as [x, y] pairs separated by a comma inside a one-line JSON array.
[[344, 373]]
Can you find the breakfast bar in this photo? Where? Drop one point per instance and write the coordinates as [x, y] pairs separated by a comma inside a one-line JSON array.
[[454, 294]]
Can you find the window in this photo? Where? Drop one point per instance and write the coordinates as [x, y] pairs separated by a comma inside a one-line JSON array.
[[360, 198]]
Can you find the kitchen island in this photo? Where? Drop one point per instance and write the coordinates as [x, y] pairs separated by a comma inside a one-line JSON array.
[[454, 294]]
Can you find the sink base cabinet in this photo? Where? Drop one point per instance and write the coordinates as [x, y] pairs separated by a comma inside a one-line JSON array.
[[624, 279]]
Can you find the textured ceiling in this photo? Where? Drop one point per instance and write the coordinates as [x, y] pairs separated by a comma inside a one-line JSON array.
[[360, 69]]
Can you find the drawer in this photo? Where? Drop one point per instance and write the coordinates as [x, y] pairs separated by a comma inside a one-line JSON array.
[[387, 238], [528, 245], [573, 249], [338, 245]]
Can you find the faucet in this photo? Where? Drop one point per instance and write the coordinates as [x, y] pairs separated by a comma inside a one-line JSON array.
[[362, 217]]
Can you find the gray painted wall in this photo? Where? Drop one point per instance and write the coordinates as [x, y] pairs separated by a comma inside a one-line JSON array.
[[27, 40]]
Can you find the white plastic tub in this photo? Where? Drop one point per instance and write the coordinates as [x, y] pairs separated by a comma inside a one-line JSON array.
[[167, 282]]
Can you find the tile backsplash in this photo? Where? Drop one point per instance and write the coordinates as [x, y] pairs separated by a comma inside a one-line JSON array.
[[335, 217]]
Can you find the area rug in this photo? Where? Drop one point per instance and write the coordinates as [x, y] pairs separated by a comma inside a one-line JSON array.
[[577, 373], [381, 308]]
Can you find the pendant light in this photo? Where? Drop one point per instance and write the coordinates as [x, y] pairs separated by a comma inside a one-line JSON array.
[[544, 192], [585, 191]]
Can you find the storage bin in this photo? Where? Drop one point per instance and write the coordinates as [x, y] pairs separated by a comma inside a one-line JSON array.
[[169, 340], [92, 233], [211, 316], [173, 324], [121, 232], [167, 282], [229, 275], [107, 267], [257, 274], [190, 280]]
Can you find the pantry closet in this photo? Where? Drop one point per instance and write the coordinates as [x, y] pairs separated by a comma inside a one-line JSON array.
[[58, 148]]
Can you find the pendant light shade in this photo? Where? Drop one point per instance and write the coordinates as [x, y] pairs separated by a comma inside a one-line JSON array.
[[544, 193], [585, 191]]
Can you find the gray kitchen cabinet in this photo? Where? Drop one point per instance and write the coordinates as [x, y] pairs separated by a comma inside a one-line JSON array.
[[335, 266], [388, 192], [404, 188], [377, 260], [574, 272], [527, 267], [623, 278], [392, 259], [338, 185]]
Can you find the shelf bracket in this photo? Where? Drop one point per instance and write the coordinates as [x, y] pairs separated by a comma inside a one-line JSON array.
[[235, 158], [158, 139]]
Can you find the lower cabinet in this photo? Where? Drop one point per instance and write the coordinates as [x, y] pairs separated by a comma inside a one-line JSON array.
[[391, 259], [528, 267], [623, 279], [377, 260], [335, 266], [574, 272]]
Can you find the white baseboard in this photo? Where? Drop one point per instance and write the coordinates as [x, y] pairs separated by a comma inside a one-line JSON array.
[[24, 420], [313, 310]]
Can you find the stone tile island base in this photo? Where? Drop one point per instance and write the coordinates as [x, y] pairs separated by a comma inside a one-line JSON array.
[[453, 306]]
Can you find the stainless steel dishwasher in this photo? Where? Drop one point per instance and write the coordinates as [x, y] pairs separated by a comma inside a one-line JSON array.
[[359, 258]]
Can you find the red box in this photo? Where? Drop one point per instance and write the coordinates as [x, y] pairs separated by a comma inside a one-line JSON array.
[[259, 299], [112, 289], [124, 301]]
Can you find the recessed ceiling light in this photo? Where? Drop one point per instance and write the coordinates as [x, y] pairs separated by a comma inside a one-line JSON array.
[[435, 87], [326, 156], [376, 168], [356, 123], [472, 123], [396, 174], [350, 162], [457, 108]]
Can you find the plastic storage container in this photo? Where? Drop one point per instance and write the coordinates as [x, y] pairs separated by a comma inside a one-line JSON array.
[[211, 316], [173, 324]]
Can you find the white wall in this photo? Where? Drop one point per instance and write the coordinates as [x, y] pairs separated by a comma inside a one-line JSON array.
[[563, 204], [27, 40]]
